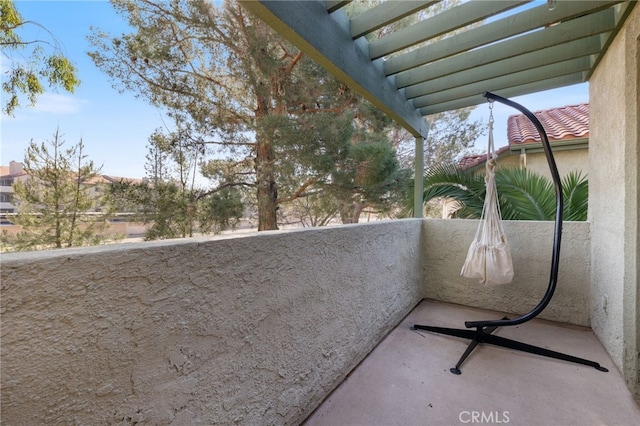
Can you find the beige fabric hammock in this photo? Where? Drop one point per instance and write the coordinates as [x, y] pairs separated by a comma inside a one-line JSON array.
[[489, 256]]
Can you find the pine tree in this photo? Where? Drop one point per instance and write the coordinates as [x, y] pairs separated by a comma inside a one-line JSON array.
[[269, 118], [54, 201], [169, 200], [236, 87]]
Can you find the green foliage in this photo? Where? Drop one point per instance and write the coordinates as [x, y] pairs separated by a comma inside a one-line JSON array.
[[30, 63], [172, 212], [268, 118], [449, 181], [575, 189], [523, 194], [54, 200], [221, 210], [371, 178], [175, 212], [167, 201], [451, 136]]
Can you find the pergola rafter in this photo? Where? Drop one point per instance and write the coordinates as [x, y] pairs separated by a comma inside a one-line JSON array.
[[448, 59]]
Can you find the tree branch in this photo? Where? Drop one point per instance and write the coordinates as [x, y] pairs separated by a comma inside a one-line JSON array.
[[221, 187], [294, 62], [299, 192]]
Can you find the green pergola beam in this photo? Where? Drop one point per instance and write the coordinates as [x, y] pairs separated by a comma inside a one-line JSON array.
[[621, 12], [326, 39], [574, 29], [531, 50], [538, 86], [447, 21], [537, 17], [385, 14], [513, 79], [574, 49], [333, 5]]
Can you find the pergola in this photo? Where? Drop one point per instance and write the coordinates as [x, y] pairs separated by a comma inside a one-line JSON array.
[[447, 60]]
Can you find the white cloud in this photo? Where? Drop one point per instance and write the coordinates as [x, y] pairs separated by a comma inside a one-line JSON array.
[[58, 104]]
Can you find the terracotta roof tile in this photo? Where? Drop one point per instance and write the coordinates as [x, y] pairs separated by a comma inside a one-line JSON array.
[[473, 160], [98, 179], [6, 173], [569, 122], [118, 179]]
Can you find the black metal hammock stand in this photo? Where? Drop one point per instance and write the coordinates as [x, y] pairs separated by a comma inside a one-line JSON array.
[[484, 329]]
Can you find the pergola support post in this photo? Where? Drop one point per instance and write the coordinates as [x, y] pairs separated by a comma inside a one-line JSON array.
[[418, 184]]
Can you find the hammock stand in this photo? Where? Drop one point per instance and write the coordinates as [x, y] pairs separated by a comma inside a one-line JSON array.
[[484, 329]]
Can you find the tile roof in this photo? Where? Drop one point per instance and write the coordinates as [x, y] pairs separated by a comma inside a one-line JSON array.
[[569, 122], [565, 123], [5, 172], [473, 160], [101, 179], [118, 179]]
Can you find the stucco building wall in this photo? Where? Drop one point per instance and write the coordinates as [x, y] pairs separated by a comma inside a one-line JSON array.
[[613, 199], [567, 160], [246, 330], [445, 247]]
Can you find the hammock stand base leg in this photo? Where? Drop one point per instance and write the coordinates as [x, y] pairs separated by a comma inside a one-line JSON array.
[[483, 335]]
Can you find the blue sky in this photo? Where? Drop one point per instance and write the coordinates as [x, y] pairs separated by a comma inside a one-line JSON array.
[[113, 126]]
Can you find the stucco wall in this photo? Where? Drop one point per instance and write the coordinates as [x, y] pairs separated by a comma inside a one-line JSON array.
[[445, 247], [248, 330], [567, 160], [613, 199]]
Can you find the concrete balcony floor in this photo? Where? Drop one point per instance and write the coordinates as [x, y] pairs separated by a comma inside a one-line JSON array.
[[406, 381]]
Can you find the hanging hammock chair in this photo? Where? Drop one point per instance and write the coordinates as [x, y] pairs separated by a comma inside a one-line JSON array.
[[483, 332], [489, 256]]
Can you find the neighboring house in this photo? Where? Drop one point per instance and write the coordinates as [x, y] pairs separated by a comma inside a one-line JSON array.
[[9, 175], [99, 185], [14, 172], [568, 132]]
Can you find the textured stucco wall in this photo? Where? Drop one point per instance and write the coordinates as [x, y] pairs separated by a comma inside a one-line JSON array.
[[566, 160], [445, 247], [249, 330], [613, 199]]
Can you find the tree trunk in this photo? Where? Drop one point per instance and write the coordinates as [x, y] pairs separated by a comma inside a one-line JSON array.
[[267, 190], [58, 233], [351, 211]]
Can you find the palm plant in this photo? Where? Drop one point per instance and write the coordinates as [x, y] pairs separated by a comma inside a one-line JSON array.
[[523, 194]]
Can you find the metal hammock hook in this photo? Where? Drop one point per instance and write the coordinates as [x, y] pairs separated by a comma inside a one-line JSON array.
[[491, 153]]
